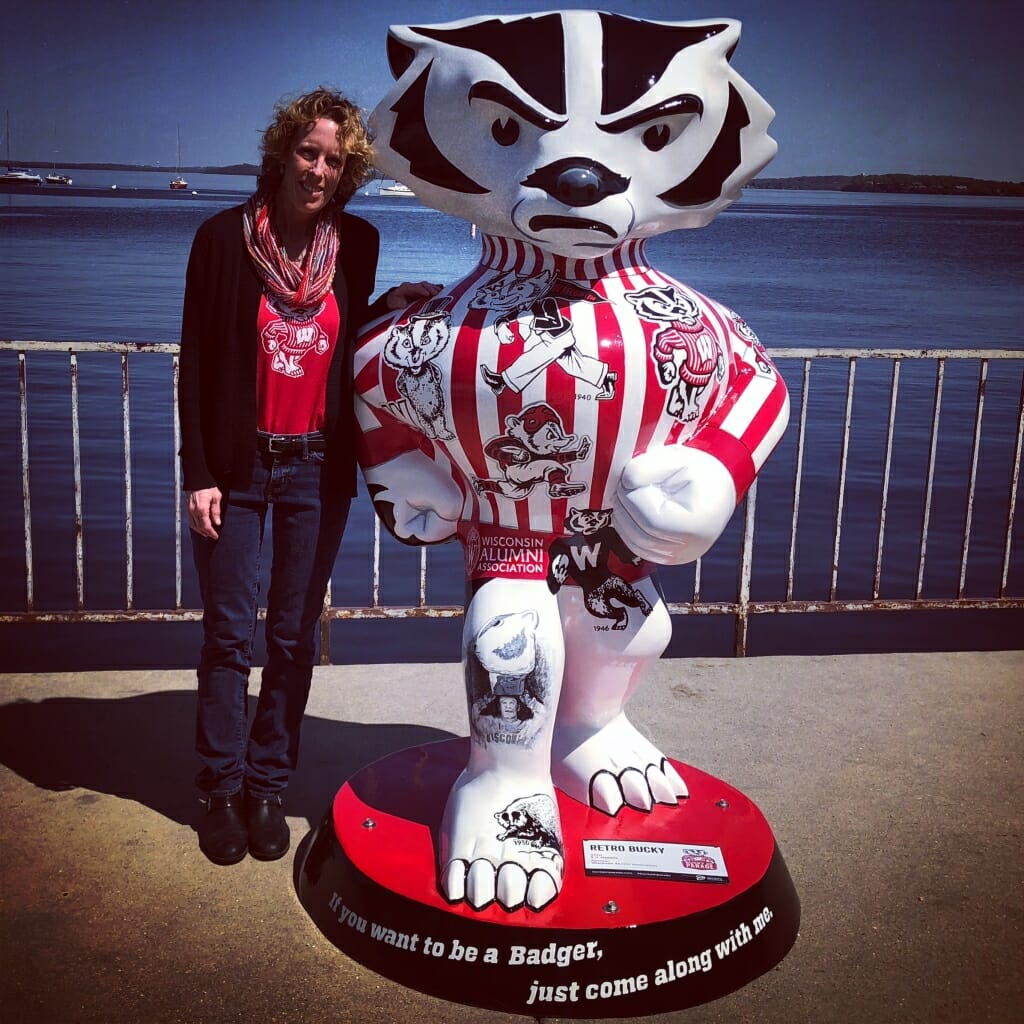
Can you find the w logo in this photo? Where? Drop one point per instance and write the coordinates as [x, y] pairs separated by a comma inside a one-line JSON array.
[[586, 556]]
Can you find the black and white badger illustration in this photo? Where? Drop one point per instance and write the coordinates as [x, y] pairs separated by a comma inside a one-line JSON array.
[[410, 348], [685, 352], [531, 821], [509, 692], [584, 556]]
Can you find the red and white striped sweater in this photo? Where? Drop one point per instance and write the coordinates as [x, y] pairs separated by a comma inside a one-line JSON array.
[[534, 380]]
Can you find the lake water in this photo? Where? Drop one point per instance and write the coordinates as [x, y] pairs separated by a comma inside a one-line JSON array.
[[804, 268]]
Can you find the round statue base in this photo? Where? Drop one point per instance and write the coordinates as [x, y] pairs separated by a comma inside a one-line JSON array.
[[658, 911]]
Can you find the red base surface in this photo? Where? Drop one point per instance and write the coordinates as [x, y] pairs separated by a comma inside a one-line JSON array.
[[607, 946]]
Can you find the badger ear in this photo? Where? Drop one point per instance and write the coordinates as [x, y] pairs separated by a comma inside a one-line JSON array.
[[637, 52], [403, 44], [728, 39], [400, 56]]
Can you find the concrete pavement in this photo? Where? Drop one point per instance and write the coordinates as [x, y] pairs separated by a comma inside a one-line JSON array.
[[893, 784]]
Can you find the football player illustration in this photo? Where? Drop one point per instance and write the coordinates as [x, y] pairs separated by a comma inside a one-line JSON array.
[[534, 448]]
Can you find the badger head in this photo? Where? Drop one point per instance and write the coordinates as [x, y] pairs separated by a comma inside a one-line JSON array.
[[573, 130], [588, 521], [507, 644], [412, 344]]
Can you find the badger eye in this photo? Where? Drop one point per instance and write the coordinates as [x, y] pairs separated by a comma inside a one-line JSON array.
[[505, 132], [656, 137]]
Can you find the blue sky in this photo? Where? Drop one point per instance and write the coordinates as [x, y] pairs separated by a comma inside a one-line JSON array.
[[916, 86]]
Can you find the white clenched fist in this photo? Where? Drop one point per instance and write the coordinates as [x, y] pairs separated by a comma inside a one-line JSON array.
[[425, 501], [673, 503]]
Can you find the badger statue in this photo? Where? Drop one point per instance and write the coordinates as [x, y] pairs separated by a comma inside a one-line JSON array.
[[571, 415]]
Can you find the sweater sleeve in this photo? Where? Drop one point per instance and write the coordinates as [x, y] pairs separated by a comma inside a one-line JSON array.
[[360, 249], [744, 429], [195, 471]]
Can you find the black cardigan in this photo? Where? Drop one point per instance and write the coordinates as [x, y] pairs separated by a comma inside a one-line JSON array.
[[217, 379]]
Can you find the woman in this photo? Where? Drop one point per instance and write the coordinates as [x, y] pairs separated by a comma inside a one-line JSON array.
[[274, 293]]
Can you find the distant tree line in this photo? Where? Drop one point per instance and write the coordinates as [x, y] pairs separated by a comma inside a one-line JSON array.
[[251, 169], [934, 184]]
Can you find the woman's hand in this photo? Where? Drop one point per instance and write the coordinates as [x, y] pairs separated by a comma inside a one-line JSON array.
[[408, 292], [204, 511]]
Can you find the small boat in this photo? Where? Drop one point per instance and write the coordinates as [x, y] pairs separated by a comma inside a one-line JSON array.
[[20, 176], [17, 175], [57, 179], [179, 182], [396, 189]]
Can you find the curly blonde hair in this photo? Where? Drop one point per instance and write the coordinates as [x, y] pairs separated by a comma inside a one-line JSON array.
[[294, 117]]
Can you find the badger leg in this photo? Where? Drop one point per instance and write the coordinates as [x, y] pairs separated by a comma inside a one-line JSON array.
[[598, 756], [500, 835]]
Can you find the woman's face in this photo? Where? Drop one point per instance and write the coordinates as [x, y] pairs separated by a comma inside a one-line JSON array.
[[312, 171]]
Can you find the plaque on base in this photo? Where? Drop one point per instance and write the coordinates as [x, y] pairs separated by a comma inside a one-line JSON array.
[[658, 911]]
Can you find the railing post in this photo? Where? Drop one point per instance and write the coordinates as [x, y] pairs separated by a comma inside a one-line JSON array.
[[746, 569], [325, 628]]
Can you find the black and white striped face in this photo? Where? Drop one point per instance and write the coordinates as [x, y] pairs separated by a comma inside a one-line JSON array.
[[574, 130]]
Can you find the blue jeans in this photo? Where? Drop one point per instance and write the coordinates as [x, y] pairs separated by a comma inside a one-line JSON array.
[[307, 524]]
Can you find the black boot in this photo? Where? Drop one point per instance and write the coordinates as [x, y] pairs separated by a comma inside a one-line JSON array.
[[269, 836], [222, 833]]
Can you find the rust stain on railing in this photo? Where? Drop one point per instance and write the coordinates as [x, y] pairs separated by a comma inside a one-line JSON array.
[[742, 609]]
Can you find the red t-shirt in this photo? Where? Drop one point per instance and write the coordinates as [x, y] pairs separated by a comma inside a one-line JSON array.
[[291, 368]]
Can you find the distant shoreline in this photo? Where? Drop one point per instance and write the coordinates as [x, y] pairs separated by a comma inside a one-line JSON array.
[[243, 169], [915, 184], [904, 184]]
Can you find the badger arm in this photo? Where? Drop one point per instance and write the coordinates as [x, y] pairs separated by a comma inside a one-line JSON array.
[[673, 503], [416, 500]]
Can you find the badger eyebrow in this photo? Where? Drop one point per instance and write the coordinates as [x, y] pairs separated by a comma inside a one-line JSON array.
[[685, 103], [499, 94]]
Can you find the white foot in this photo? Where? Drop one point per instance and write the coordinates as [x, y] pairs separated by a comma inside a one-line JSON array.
[[614, 767], [501, 841]]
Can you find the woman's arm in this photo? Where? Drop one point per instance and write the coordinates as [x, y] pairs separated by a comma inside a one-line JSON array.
[[196, 473]]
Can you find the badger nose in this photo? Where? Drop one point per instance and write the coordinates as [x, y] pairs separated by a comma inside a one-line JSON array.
[[578, 186], [577, 181]]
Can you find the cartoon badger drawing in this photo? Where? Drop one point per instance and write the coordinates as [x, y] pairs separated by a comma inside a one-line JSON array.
[[568, 138]]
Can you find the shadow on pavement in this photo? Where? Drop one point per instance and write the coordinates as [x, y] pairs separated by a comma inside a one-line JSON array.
[[140, 748]]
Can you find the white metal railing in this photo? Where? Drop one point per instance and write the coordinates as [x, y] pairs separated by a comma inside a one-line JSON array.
[[742, 607]]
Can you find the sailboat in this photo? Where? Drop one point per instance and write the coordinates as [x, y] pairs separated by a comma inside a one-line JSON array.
[[53, 178], [179, 182], [17, 175]]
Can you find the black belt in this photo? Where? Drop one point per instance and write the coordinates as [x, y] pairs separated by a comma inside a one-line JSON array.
[[290, 444]]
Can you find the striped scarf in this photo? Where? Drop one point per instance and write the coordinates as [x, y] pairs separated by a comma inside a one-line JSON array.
[[297, 288]]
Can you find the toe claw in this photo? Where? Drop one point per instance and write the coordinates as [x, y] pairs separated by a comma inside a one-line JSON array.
[[661, 788], [512, 885], [543, 889], [674, 778], [605, 793], [480, 884], [635, 790], [453, 882]]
